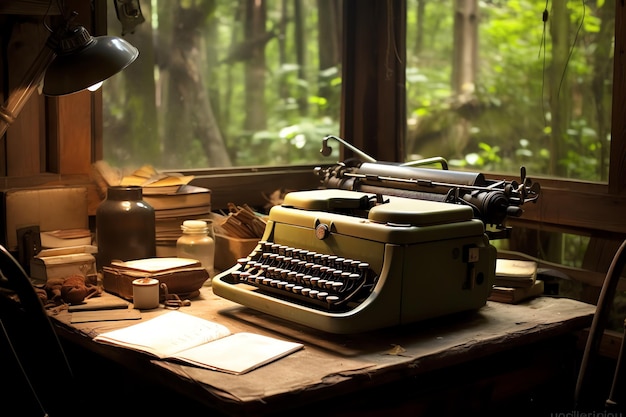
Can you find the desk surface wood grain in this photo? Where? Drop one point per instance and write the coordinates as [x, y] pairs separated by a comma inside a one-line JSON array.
[[331, 365]]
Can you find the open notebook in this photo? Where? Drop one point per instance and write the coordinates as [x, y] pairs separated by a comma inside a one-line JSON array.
[[181, 337]]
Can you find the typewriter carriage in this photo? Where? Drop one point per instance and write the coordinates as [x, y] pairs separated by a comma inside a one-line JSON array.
[[491, 200]]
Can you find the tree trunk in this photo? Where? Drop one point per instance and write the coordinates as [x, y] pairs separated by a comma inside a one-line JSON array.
[[142, 129], [419, 35], [282, 48], [256, 113], [464, 65], [559, 98], [189, 113], [329, 49], [465, 48], [603, 68], [300, 45]]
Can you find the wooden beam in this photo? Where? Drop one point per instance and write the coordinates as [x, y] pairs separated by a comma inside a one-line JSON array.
[[617, 169], [373, 97]]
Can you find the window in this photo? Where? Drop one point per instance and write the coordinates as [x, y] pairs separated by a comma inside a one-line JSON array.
[[501, 113], [496, 85], [226, 84]]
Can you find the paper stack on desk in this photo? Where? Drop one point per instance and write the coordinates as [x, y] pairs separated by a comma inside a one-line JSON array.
[[516, 280], [189, 202]]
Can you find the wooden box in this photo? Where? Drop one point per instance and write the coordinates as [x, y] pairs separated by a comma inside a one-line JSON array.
[[228, 249]]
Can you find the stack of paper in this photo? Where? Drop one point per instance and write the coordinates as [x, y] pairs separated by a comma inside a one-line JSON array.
[[172, 209], [516, 280], [151, 181]]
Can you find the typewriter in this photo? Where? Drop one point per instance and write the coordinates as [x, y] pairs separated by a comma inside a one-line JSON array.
[[377, 245]]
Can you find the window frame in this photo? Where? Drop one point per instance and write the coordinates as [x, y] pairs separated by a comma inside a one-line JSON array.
[[373, 119]]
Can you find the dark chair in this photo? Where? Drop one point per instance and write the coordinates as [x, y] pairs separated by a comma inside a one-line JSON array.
[[616, 397], [42, 376], [30, 347]]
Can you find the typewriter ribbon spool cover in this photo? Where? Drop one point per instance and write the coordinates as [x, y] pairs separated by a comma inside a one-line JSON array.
[[394, 261]]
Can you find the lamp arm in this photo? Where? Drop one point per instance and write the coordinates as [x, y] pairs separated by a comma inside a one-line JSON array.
[[10, 110]]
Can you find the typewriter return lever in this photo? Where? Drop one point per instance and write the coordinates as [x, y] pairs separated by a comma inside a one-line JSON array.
[[326, 150]]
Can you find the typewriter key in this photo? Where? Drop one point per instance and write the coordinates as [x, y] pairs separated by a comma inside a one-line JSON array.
[[332, 299]]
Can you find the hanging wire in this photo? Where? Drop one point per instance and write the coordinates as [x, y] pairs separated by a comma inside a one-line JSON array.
[[545, 16], [391, 41], [571, 51]]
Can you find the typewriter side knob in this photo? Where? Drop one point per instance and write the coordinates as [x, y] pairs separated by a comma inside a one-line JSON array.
[[322, 231]]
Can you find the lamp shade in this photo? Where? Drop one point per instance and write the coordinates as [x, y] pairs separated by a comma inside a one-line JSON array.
[[82, 60]]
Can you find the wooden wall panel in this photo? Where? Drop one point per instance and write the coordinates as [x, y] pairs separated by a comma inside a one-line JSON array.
[[70, 134], [25, 137], [617, 170]]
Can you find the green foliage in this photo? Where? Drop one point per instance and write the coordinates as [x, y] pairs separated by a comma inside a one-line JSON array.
[[502, 121], [302, 101], [509, 114]]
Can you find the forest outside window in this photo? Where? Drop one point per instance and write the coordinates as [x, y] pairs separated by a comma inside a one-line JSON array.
[[495, 85], [226, 84], [491, 86]]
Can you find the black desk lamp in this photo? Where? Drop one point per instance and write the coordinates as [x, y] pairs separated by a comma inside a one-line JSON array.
[[72, 60]]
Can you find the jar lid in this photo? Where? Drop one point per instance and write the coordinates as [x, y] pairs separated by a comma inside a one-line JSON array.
[[194, 225]]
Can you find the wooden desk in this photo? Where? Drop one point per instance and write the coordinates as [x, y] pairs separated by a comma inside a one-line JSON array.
[[334, 371]]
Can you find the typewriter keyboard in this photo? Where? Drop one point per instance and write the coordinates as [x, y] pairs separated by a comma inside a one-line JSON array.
[[321, 281]]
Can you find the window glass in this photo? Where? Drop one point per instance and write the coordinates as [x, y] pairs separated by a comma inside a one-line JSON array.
[[223, 83], [495, 85]]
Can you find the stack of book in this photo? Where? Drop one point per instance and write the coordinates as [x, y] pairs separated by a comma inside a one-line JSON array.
[[516, 280], [189, 202], [182, 276]]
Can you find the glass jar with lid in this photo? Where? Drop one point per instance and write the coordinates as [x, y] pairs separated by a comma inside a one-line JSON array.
[[198, 242]]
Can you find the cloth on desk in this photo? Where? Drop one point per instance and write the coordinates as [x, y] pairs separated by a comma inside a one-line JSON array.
[[296, 369], [423, 344], [342, 362], [70, 290]]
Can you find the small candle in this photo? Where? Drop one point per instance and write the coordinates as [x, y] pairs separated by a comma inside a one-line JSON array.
[[145, 293]]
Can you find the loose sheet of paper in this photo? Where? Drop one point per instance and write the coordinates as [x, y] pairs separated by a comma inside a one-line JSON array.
[[239, 353]]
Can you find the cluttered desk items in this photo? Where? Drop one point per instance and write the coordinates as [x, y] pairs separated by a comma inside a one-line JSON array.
[[332, 366], [379, 245], [516, 281], [182, 276]]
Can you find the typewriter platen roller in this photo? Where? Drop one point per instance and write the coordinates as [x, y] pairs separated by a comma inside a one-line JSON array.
[[344, 260]]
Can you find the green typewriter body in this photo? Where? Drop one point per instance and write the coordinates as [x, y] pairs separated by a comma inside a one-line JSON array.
[[348, 262]]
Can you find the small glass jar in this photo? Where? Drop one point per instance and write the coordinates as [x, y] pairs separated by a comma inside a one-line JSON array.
[[198, 242]]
